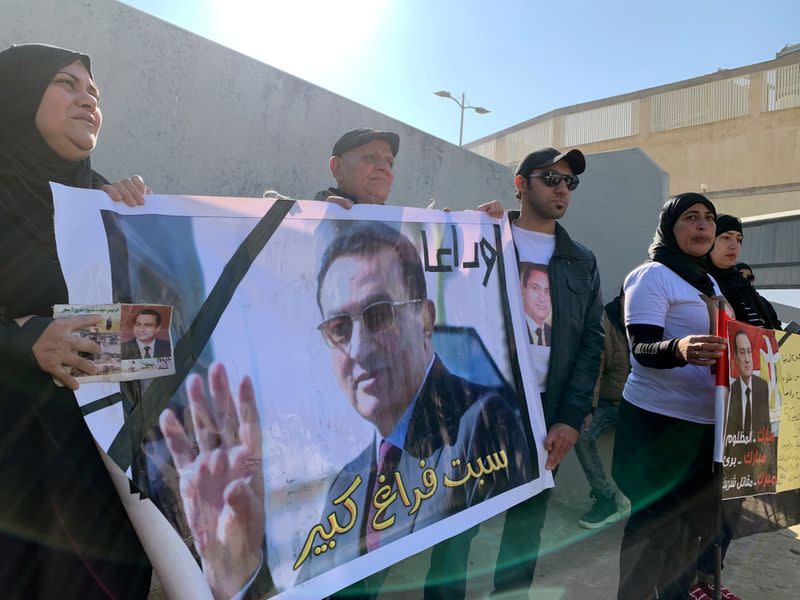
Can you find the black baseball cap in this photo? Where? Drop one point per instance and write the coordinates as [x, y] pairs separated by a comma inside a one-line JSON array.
[[550, 156], [359, 137]]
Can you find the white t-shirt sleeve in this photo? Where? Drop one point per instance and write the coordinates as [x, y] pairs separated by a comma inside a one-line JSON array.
[[656, 295], [647, 299]]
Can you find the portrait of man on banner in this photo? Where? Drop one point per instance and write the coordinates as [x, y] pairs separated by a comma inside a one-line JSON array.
[[440, 443], [750, 462]]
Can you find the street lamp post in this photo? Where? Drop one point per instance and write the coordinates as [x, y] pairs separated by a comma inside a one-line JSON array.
[[463, 106]]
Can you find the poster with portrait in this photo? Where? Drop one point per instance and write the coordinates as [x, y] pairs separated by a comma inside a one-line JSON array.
[[134, 340], [788, 442], [753, 412], [346, 393]]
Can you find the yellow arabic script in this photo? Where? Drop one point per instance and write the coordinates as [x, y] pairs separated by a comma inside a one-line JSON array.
[[333, 521], [494, 462]]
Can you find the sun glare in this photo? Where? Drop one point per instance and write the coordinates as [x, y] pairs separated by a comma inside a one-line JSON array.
[[308, 38]]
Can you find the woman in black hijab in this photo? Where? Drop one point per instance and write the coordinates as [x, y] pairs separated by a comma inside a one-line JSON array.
[[63, 530], [663, 449], [750, 308], [747, 304]]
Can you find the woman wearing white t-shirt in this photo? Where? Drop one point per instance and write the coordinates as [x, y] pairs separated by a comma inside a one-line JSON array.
[[665, 435]]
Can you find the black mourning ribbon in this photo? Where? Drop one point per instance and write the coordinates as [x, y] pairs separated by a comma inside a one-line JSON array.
[[144, 414]]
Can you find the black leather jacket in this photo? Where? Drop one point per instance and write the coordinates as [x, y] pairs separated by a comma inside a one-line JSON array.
[[577, 335]]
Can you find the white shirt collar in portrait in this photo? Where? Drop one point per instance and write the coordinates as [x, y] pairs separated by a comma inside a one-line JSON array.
[[746, 387], [151, 345]]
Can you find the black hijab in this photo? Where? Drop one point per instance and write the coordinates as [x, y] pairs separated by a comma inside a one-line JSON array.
[[32, 280], [742, 296], [58, 502], [665, 250]]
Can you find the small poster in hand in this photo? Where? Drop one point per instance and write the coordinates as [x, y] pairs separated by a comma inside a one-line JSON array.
[[134, 340]]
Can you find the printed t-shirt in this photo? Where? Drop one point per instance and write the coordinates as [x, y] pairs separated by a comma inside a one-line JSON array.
[[535, 250], [656, 295]]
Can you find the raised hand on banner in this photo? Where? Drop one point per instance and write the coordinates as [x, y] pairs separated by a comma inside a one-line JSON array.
[[221, 478], [702, 350], [494, 209], [131, 191]]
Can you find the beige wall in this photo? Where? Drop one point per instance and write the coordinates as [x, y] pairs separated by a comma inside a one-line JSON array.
[[737, 153], [736, 143], [750, 204]]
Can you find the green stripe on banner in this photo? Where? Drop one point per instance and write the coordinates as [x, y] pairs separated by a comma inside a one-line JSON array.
[[188, 349]]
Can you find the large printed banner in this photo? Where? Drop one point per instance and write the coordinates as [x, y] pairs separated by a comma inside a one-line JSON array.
[[347, 387], [762, 415]]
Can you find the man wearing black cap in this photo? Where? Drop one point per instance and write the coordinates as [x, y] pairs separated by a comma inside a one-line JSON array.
[[361, 163], [567, 369]]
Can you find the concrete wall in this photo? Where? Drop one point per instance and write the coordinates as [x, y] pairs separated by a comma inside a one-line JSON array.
[[615, 211], [194, 117]]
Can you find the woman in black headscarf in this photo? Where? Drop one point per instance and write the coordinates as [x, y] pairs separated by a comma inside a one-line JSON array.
[[750, 308], [63, 530], [747, 304], [663, 450]]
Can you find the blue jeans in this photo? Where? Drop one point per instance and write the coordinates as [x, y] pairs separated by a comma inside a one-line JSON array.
[[605, 416]]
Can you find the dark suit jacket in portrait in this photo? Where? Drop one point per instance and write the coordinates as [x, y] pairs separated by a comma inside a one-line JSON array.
[[452, 419], [759, 411], [130, 349], [759, 406]]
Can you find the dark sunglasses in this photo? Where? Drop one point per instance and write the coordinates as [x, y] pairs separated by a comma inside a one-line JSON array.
[[376, 318], [553, 178], [750, 278]]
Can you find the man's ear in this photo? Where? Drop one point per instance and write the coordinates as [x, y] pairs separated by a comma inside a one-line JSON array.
[[519, 183], [336, 167], [428, 317]]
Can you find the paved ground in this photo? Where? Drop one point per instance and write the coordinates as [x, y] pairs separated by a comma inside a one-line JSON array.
[[581, 564]]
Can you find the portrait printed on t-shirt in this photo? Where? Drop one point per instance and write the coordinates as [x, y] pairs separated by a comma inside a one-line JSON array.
[[536, 302]]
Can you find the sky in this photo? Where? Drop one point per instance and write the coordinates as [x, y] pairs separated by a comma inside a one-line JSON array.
[[517, 58]]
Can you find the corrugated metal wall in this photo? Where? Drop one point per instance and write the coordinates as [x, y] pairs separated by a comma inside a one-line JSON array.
[[603, 123], [700, 104], [772, 248], [781, 88], [519, 143]]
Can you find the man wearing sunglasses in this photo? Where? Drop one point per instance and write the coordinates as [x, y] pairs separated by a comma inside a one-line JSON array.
[[568, 367]]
